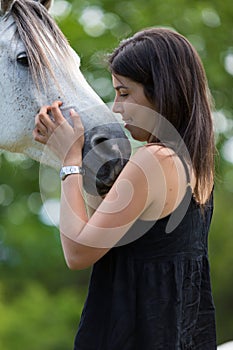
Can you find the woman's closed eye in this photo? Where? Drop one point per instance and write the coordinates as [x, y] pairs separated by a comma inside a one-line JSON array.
[[122, 92]]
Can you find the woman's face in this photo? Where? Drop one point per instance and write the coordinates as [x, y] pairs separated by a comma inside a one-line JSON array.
[[136, 110]]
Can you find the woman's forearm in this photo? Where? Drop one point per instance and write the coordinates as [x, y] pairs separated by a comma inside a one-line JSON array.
[[73, 219], [73, 214]]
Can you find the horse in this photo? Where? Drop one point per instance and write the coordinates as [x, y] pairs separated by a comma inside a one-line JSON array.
[[37, 67]]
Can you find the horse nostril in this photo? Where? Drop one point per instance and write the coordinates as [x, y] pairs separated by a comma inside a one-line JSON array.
[[97, 140]]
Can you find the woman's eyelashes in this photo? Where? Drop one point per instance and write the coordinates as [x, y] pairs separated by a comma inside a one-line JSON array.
[[123, 93]]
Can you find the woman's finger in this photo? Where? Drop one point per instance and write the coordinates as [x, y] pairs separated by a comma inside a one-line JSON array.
[[56, 112], [77, 122], [44, 126], [44, 109], [38, 136], [43, 118], [41, 128]]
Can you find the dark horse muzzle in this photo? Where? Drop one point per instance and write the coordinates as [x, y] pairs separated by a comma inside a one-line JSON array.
[[104, 157]]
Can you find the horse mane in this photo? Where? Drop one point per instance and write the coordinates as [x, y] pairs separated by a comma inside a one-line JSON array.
[[43, 40]]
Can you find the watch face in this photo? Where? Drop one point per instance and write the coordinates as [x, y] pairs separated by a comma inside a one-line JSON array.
[[67, 170]]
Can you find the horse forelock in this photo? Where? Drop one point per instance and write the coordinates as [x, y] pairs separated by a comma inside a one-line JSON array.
[[44, 42]]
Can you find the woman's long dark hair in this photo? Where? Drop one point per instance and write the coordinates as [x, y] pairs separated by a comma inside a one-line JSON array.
[[174, 80]]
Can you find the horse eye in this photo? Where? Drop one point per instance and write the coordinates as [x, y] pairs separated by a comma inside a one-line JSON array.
[[23, 59]]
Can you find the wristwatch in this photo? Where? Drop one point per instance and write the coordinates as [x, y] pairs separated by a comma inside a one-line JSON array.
[[71, 169]]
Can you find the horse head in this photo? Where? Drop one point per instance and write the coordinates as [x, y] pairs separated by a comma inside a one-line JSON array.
[[38, 66]]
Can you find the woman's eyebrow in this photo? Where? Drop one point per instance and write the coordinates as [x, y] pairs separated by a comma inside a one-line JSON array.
[[118, 87]]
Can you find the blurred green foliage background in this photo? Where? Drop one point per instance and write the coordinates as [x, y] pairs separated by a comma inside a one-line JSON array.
[[40, 299]]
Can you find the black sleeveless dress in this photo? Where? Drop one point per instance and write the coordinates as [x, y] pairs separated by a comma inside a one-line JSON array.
[[154, 293]]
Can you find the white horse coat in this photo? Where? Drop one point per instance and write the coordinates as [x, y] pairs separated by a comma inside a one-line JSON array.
[[106, 148]]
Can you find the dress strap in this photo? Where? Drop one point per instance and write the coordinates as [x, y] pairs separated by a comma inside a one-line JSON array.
[[179, 213]]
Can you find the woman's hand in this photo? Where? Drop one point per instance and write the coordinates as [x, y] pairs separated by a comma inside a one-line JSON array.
[[63, 139]]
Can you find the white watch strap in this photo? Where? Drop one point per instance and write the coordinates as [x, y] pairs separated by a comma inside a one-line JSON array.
[[71, 169]]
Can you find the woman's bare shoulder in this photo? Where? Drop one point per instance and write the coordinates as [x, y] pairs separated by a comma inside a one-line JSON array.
[[166, 176], [158, 151]]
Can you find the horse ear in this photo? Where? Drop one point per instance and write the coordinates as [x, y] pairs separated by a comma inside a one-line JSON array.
[[5, 4], [46, 3]]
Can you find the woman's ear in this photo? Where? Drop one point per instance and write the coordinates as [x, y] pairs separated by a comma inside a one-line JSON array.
[[46, 3]]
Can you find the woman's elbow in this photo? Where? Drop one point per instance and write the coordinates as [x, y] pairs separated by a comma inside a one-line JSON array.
[[75, 257], [76, 264], [78, 256]]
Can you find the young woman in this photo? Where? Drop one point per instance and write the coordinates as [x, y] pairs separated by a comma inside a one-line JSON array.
[[150, 285]]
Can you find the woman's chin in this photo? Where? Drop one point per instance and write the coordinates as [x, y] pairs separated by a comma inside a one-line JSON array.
[[137, 134]]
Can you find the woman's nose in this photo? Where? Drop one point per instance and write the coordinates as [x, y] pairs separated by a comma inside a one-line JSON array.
[[117, 107]]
